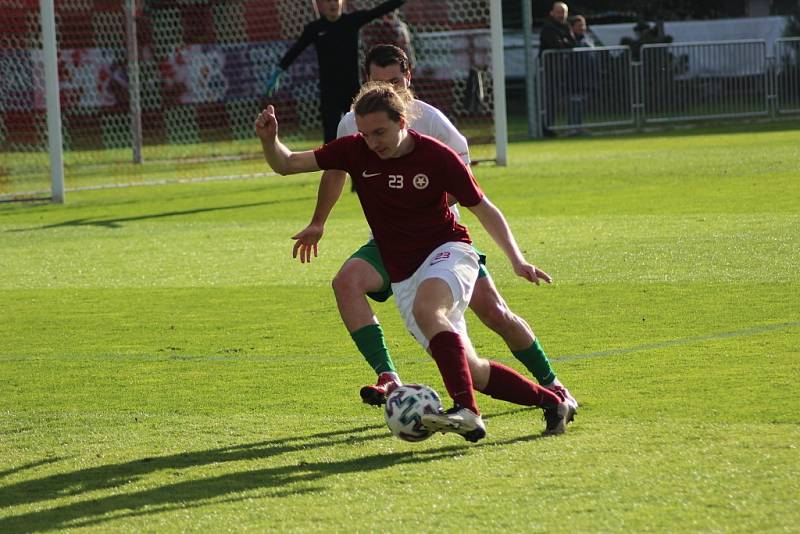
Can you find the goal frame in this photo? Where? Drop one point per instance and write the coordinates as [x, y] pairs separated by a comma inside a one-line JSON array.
[[53, 107]]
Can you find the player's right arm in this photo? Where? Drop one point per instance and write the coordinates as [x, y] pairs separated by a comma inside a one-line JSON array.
[[306, 38], [274, 78], [278, 156]]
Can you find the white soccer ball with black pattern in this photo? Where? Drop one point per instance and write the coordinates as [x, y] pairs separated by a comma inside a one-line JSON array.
[[405, 407]]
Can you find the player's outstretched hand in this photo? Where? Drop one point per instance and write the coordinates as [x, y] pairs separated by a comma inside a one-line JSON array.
[[267, 124], [306, 242], [532, 273]]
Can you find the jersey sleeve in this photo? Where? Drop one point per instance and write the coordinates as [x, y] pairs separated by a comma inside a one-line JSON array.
[[334, 155], [459, 180], [447, 133], [347, 125]]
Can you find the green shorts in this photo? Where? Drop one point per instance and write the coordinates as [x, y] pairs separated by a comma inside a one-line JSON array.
[[369, 253]]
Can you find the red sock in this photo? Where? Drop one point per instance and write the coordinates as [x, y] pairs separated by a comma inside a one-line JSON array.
[[450, 356], [508, 385]]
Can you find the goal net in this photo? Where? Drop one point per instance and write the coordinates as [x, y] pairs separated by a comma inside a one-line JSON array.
[[202, 70]]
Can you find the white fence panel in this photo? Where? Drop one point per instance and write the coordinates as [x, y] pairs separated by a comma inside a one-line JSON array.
[[586, 87], [690, 81], [787, 75]]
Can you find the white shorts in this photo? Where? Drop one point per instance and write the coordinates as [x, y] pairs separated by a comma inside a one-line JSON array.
[[455, 263]]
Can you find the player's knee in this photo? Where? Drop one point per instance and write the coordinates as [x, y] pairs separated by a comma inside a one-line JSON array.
[[497, 317], [355, 279], [344, 283]]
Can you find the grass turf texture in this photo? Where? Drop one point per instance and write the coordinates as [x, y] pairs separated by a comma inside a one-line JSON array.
[[166, 366]]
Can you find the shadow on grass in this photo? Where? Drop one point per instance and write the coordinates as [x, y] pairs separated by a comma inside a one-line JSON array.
[[294, 478], [25, 467], [117, 222]]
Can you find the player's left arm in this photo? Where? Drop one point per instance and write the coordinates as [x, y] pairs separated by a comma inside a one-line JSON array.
[[330, 189], [368, 15], [492, 219]]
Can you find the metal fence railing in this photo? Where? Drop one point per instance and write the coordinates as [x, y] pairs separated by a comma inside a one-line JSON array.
[[592, 86], [691, 81], [598, 87], [787, 75]]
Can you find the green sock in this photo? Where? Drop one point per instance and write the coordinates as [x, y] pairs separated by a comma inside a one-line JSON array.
[[537, 363], [372, 345]]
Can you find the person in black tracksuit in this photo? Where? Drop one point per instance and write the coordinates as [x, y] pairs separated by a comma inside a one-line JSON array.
[[555, 35], [335, 36]]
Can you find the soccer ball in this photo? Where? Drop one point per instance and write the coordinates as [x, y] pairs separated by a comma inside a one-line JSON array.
[[404, 409]]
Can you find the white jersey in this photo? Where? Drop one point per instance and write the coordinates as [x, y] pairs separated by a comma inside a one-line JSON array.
[[426, 120]]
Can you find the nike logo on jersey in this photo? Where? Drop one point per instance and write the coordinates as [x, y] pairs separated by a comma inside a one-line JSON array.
[[366, 174]]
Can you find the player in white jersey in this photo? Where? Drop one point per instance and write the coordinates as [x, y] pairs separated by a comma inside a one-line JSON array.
[[425, 118], [364, 274]]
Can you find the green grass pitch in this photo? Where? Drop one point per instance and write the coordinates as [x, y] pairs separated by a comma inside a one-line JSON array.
[[165, 365]]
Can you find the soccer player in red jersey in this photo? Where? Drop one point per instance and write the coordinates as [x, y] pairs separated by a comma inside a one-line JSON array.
[[402, 180], [363, 275]]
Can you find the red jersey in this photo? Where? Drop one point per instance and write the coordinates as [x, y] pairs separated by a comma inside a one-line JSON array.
[[405, 199]]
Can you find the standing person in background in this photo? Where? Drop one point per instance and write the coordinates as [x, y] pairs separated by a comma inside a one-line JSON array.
[[364, 274], [403, 179], [335, 37], [577, 25], [555, 35], [583, 70]]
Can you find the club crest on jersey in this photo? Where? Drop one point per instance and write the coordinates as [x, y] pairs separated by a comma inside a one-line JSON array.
[[440, 257], [420, 181]]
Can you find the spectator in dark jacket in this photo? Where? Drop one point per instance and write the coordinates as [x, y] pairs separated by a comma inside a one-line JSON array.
[[556, 34]]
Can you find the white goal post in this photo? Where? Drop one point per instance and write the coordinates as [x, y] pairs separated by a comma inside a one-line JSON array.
[[79, 91], [55, 141], [499, 79]]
